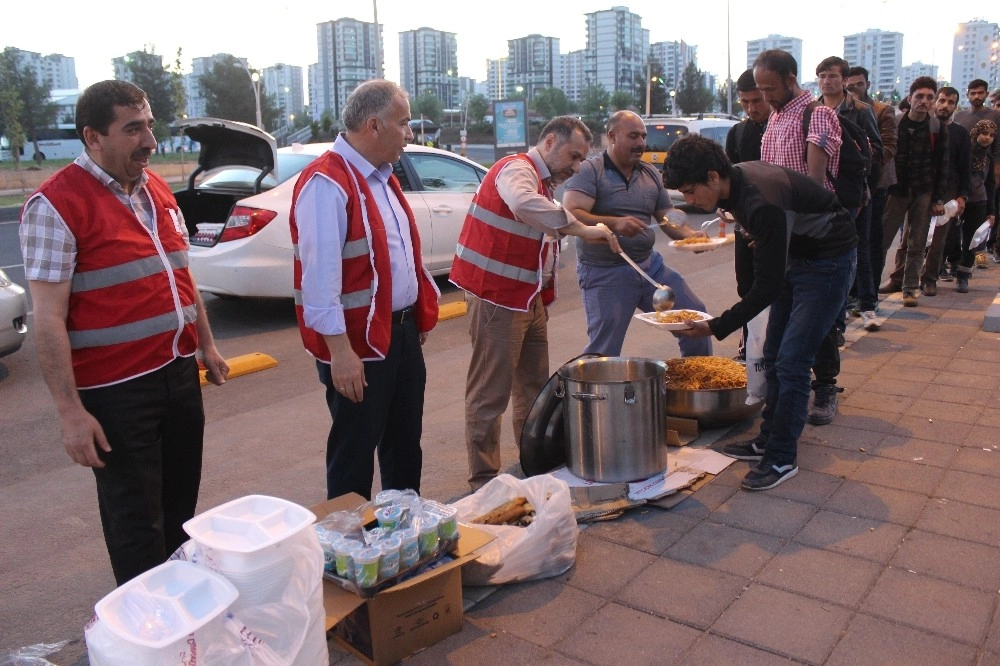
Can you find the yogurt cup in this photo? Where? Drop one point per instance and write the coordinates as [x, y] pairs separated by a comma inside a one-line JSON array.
[[366, 567], [409, 549], [389, 564], [428, 535]]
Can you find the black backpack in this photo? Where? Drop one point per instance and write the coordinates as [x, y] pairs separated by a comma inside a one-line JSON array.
[[855, 160]]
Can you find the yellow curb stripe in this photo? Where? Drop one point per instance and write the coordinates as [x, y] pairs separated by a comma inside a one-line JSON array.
[[245, 364], [451, 310]]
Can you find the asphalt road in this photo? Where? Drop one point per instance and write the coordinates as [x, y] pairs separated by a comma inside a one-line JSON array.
[[265, 434]]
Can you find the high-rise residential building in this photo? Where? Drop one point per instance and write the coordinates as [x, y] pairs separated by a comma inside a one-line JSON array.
[[496, 76], [673, 57], [349, 53], [617, 51], [284, 83], [572, 76], [976, 54], [428, 64], [881, 53], [791, 44], [910, 72], [533, 64], [313, 85], [56, 70]]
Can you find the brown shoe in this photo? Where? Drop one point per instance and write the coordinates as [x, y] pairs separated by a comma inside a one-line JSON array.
[[909, 299], [890, 287], [930, 289]]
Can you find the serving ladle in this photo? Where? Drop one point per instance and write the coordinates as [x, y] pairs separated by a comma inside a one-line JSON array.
[[663, 297]]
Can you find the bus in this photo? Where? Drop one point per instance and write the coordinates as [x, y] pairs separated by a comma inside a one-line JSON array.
[[54, 143]]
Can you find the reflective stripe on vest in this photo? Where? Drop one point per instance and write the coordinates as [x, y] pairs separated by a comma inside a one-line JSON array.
[[127, 272], [504, 224], [355, 299], [140, 330], [528, 276]]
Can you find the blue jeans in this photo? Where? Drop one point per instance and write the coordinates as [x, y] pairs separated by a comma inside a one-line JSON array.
[[611, 295], [803, 314]]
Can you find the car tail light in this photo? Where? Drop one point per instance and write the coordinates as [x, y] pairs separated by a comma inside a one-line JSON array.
[[245, 221]]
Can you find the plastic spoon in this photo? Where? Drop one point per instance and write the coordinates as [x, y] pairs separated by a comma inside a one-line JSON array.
[[663, 297]]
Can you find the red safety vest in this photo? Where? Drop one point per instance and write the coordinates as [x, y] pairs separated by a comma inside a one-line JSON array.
[[132, 300], [366, 290], [499, 258]]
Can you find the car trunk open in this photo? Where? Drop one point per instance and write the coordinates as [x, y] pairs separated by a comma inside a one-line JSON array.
[[224, 143]]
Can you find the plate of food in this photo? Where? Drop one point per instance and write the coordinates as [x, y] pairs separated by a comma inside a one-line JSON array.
[[673, 320], [701, 243]]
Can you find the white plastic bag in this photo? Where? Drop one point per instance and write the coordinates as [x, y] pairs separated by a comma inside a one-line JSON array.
[[754, 349], [545, 548], [982, 233]]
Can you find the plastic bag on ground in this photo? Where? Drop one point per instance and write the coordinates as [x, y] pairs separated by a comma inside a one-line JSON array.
[[754, 348], [545, 548], [31, 655]]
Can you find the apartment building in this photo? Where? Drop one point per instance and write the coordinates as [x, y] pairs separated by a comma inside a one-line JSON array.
[[428, 64], [881, 53], [349, 53], [284, 83], [56, 70], [975, 53], [533, 64], [617, 51], [791, 44]]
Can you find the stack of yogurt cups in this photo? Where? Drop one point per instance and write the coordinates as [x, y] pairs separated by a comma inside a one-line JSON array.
[[410, 530]]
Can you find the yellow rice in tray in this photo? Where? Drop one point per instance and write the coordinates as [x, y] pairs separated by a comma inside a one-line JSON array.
[[705, 372]]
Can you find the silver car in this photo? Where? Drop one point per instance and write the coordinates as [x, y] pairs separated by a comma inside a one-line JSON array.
[[13, 315]]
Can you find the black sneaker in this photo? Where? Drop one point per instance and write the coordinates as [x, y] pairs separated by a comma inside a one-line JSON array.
[[751, 449], [767, 475], [824, 406]]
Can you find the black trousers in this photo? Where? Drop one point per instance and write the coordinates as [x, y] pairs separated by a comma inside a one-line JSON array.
[[387, 421], [149, 485]]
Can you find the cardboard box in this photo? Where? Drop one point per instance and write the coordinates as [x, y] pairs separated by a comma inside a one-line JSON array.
[[405, 618]]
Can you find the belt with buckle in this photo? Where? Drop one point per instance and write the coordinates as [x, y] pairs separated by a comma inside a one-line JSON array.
[[402, 316]]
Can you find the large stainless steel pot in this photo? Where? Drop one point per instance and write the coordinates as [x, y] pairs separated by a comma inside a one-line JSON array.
[[614, 416], [713, 408]]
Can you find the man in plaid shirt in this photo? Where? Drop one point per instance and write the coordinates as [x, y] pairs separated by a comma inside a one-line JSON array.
[[817, 155]]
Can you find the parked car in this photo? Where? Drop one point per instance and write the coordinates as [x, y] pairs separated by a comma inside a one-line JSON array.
[[237, 203], [13, 315], [662, 131]]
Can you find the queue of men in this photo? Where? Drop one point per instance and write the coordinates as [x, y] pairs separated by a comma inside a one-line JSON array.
[[818, 188]]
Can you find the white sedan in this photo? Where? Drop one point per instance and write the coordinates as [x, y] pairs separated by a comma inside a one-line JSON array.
[[237, 205], [13, 315]]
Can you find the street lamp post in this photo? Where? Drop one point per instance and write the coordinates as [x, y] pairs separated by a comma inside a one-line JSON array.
[[255, 84]]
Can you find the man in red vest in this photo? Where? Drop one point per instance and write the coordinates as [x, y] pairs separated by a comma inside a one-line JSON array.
[[506, 262], [118, 321], [364, 302]]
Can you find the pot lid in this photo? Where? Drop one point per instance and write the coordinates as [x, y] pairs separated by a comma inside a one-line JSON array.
[[543, 442]]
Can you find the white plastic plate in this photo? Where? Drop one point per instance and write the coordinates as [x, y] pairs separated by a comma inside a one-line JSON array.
[[248, 524], [651, 319], [165, 604], [703, 247]]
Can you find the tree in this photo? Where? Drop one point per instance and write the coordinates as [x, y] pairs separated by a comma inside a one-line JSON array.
[[37, 111], [147, 71], [723, 102], [177, 88], [621, 99], [594, 103], [693, 95], [550, 102], [476, 109], [229, 93], [10, 113], [428, 106]]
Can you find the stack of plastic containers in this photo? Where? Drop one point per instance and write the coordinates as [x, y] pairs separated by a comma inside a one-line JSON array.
[[250, 541], [153, 618]]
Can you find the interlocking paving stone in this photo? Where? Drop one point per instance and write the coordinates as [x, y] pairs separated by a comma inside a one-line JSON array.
[[721, 651], [764, 512], [646, 528], [937, 606], [880, 503], [874, 540], [784, 622], [639, 638], [956, 560], [822, 574], [904, 475], [604, 568], [960, 520], [919, 451], [730, 549], [874, 640], [687, 593]]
